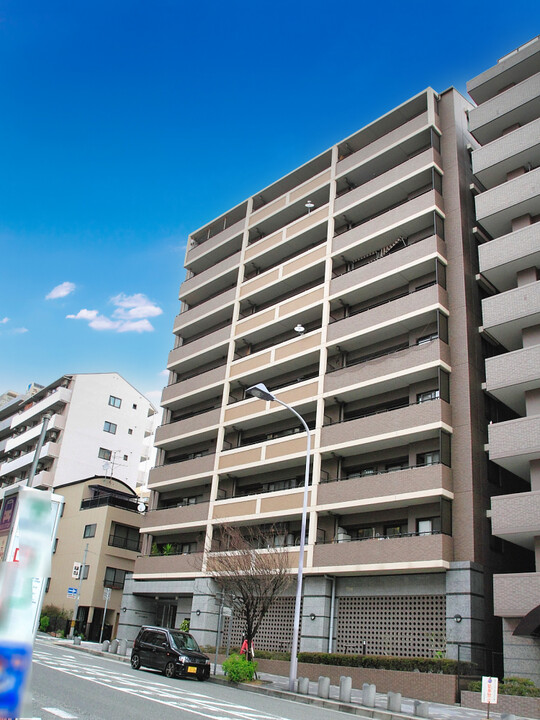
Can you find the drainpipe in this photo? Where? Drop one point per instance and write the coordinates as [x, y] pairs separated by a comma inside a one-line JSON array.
[[332, 611]]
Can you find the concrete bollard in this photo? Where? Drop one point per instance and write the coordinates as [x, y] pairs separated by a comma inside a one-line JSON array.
[[323, 691], [113, 648], [421, 709], [105, 646], [393, 702], [76, 640], [508, 716], [122, 647], [303, 686], [368, 695], [345, 687]]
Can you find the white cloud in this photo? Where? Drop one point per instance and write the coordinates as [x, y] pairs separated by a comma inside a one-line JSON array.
[[164, 373], [84, 314], [3, 321], [100, 322], [19, 331], [60, 291], [134, 307], [136, 326]]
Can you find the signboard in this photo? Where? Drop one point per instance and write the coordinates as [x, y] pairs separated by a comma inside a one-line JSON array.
[[76, 572], [7, 522], [107, 594], [72, 592], [490, 687]]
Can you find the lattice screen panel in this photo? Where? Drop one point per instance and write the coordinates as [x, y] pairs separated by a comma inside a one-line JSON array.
[[405, 626], [275, 632]]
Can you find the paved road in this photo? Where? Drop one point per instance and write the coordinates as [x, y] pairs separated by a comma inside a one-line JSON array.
[[76, 686]]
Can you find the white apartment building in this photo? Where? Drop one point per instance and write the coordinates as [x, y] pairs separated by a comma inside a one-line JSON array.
[[96, 424]]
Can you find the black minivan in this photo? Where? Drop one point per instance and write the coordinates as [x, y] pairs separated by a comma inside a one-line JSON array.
[[174, 652]]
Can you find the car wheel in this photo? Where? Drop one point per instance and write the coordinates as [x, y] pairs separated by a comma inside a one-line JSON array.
[[201, 679], [169, 670], [135, 661]]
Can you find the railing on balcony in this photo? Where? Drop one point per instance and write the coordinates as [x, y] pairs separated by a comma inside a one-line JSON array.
[[282, 260], [395, 406], [126, 543], [184, 458], [111, 500], [346, 538], [360, 474], [253, 309], [351, 313], [193, 413], [277, 386], [292, 335], [265, 437]]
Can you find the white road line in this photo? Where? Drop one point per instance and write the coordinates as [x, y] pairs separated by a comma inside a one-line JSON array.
[[60, 713]]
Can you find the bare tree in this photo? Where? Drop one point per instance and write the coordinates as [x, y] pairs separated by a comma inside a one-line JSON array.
[[250, 573]]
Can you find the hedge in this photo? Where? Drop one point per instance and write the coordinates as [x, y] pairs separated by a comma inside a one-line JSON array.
[[388, 662], [511, 686]]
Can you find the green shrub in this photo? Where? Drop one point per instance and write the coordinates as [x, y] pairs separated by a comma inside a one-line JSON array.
[[184, 625], [388, 662], [238, 669], [44, 623], [511, 686]]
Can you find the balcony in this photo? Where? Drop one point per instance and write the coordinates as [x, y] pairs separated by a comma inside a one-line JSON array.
[[378, 556], [403, 262], [174, 393], [505, 316], [203, 424], [492, 162], [298, 393], [516, 518], [386, 429], [389, 140], [400, 314], [268, 452], [519, 104], [175, 474], [515, 594], [497, 208], [116, 501], [513, 444], [49, 450], [401, 220], [285, 503], [510, 376], [399, 488], [296, 351], [148, 567], [57, 422], [172, 518], [284, 201], [204, 315], [55, 401], [43, 480], [502, 258], [414, 360], [210, 282], [215, 248], [366, 192], [212, 345]]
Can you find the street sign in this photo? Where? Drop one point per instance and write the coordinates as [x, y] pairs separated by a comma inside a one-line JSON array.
[[72, 592], [107, 594], [490, 686], [76, 572]]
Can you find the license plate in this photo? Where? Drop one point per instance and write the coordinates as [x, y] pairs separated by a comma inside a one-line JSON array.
[[192, 669]]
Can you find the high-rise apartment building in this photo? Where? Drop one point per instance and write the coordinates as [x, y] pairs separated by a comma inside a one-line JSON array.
[[351, 288], [96, 424], [506, 123]]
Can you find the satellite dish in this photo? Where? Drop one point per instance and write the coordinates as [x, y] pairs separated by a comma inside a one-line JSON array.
[[141, 507]]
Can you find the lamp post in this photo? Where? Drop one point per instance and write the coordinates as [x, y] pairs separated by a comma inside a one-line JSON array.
[[261, 391]]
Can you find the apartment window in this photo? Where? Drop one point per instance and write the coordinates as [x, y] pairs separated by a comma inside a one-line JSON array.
[[400, 464], [124, 536], [428, 458], [48, 585], [104, 454], [115, 401], [90, 530], [114, 578], [427, 338], [55, 545], [427, 396], [109, 427], [130, 431], [395, 530], [125, 458], [134, 406]]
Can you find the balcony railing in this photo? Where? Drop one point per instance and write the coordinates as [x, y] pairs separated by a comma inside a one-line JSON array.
[[355, 476], [125, 543], [383, 302], [111, 500], [379, 537]]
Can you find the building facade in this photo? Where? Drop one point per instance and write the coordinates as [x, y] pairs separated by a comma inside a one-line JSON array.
[[351, 288], [506, 125], [100, 528], [95, 424]]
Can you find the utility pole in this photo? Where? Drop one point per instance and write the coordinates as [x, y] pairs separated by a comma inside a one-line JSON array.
[[37, 451], [76, 610]]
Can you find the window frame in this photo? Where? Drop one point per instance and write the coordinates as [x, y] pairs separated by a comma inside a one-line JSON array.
[[90, 527], [115, 402], [102, 454], [112, 427]]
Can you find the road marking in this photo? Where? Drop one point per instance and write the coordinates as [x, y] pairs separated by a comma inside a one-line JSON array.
[[60, 713]]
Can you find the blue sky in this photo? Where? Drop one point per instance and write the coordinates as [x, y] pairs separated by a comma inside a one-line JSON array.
[[125, 125]]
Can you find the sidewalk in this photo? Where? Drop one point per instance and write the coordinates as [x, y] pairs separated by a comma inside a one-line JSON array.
[[277, 685]]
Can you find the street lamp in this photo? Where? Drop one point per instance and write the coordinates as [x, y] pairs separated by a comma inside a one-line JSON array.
[[261, 391]]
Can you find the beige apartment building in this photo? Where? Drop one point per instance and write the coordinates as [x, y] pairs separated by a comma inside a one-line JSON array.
[[96, 545], [351, 288], [506, 123]]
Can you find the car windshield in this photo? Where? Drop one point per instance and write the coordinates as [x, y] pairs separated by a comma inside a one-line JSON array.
[[183, 641]]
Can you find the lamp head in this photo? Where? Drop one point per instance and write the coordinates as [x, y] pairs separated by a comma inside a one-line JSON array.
[[260, 391]]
